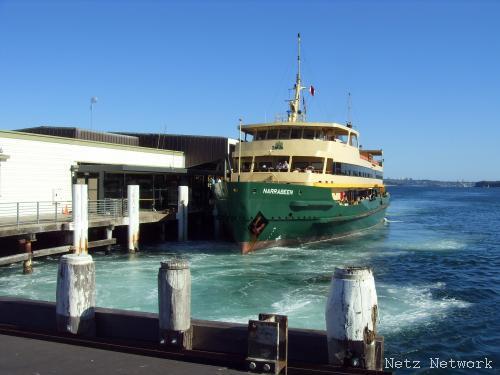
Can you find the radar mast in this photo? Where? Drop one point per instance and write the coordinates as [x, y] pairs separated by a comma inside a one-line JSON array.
[[295, 113]]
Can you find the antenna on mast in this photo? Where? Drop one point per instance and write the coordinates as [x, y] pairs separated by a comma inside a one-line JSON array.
[[349, 107], [293, 114]]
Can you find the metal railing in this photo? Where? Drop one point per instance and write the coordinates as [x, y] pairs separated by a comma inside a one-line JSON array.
[[22, 213], [17, 213], [107, 208]]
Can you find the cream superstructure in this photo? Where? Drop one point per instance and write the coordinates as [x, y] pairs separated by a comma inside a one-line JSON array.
[[326, 154], [305, 153]]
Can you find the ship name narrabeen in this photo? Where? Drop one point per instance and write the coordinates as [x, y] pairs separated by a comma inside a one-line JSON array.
[[277, 191]]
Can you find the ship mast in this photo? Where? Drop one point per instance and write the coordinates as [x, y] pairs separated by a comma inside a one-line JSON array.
[[293, 114]]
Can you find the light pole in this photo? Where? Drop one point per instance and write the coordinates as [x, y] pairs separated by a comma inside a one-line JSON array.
[[239, 152], [93, 100]]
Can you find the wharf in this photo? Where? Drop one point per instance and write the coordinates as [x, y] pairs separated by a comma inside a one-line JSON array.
[[47, 223], [22, 355], [126, 342]]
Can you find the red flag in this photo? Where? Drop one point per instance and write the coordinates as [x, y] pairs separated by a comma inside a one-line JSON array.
[[311, 90]]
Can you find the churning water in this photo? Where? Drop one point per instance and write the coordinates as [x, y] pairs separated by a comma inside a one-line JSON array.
[[436, 261]]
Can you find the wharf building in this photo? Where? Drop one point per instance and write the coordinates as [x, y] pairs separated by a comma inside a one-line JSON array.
[[39, 165]]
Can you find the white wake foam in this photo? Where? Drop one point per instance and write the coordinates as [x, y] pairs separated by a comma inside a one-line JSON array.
[[404, 306]]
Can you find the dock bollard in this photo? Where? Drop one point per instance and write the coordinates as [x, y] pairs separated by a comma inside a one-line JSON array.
[[351, 319], [174, 303], [133, 217], [75, 295]]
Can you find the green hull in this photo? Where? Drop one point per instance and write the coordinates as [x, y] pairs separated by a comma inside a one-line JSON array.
[[260, 215]]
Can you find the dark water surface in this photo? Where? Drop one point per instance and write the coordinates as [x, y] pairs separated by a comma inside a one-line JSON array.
[[436, 264]]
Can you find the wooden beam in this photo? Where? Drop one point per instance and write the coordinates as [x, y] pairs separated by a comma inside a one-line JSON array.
[[105, 242], [51, 251]]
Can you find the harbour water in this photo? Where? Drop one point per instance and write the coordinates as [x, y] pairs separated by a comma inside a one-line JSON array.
[[436, 263]]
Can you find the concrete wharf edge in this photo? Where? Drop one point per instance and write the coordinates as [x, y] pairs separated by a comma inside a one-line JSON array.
[[215, 343], [22, 355]]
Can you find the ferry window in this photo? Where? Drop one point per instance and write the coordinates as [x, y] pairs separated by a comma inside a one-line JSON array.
[[296, 133], [299, 166], [337, 168], [284, 134], [354, 140], [308, 134], [317, 166], [260, 135], [307, 164], [330, 135], [248, 137], [264, 166], [272, 134], [245, 167], [320, 134], [341, 137], [329, 166]]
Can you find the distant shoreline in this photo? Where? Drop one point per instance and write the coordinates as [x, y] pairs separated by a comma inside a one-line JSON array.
[[391, 182]]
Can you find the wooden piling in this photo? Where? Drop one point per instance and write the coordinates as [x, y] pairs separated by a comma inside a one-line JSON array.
[[351, 318], [182, 212], [75, 295], [25, 246], [133, 217], [80, 219], [174, 303]]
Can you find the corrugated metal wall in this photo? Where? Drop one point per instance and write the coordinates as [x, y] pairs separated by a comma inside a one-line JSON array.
[[198, 149]]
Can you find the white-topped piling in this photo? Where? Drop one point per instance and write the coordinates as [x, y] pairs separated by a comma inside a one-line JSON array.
[[80, 219], [75, 295], [174, 303], [351, 318], [182, 212], [109, 236], [133, 217]]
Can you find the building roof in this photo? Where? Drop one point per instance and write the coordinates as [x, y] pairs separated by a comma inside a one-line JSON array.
[[89, 135], [82, 142]]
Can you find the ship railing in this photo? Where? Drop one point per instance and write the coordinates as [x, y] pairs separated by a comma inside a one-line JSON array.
[[370, 159], [364, 157]]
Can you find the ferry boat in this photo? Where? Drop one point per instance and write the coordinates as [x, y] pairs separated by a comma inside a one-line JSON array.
[[295, 181]]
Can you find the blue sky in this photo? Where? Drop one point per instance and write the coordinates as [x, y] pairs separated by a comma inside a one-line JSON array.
[[424, 75]]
